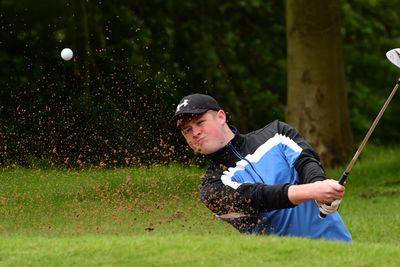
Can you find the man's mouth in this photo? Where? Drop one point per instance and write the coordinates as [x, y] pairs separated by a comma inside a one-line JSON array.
[[200, 141]]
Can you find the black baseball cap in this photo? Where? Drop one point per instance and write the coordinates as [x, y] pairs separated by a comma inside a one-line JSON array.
[[194, 104]]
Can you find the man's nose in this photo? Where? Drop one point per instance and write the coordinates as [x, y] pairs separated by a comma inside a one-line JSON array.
[[196, 131]]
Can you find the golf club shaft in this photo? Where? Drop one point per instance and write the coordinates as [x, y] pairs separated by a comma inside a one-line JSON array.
[[371, 129], [346, 173]]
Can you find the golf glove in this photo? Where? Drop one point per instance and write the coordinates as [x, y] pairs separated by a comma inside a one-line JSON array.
[[329, 209]]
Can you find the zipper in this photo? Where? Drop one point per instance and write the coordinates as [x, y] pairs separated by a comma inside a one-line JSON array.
[[239, 156]]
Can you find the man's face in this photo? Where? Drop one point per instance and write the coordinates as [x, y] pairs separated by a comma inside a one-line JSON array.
[[204, 133]]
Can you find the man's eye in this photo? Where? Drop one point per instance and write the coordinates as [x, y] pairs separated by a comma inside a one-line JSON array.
[[186, 130]]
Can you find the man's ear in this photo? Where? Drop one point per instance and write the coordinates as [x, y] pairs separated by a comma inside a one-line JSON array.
[[221, 115]]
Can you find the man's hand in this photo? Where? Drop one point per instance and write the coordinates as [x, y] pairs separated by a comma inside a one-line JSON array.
[[326, 191], [329, 209]]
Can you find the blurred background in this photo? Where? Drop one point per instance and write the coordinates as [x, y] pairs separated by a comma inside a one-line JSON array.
[[134, 60]]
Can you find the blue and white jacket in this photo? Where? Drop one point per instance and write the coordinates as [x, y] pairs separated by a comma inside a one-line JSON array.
[[251, 175]]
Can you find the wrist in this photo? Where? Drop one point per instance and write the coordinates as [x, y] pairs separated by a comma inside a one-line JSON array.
[[298, 194]]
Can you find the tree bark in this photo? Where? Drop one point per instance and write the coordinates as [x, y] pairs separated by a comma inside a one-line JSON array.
[[317, 101]]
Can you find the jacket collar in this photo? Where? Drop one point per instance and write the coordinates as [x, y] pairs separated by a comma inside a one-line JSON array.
[[226, 154]]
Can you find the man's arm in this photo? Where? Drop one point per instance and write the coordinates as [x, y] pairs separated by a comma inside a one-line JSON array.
[[307, 164], [322, 191], [254, 198], [247, 198], [315, 185]]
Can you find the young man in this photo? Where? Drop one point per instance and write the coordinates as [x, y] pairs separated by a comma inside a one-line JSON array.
[[269, 181]]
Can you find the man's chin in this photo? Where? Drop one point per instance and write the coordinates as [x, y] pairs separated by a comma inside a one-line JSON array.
[[201, 150], [206, 151]]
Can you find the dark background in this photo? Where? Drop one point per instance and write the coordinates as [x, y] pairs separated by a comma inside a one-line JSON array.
[[134, 60]]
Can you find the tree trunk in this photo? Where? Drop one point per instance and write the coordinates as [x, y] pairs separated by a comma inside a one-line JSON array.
[[317, 102]]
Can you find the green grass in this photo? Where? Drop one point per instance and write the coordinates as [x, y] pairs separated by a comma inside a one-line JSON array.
[[153, 217], [190, 250], [122, 201], [371, 205]]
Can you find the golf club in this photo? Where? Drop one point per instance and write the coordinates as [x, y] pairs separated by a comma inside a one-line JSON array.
[[394, 57]]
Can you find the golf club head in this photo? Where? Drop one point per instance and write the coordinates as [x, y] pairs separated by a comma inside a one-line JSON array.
[[394, 56]]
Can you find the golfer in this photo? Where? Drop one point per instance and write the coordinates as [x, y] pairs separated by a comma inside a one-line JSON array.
[[269, 181]]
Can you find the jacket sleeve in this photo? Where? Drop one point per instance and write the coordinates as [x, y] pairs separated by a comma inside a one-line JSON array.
[[247, 198], [307, 163]]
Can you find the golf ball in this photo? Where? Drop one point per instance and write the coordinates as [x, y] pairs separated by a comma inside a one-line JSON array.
[[67, 54]]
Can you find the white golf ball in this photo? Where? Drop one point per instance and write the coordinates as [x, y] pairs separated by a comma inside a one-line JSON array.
[[67, 54]]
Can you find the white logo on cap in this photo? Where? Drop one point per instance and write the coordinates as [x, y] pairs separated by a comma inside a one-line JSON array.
[[185, 103]]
